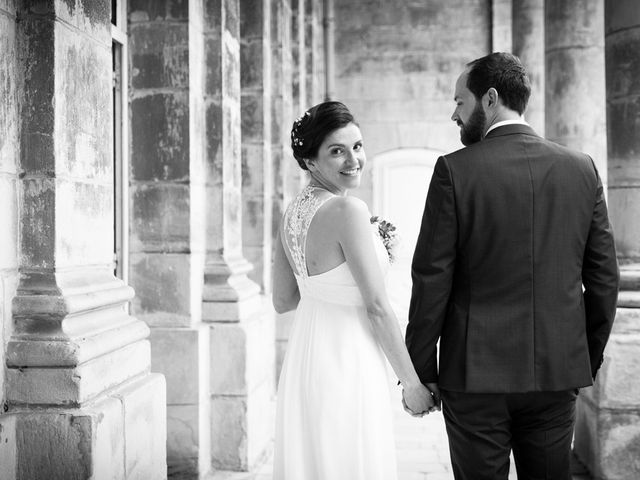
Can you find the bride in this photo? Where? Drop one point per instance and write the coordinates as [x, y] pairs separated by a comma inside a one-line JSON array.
[[334, 419]]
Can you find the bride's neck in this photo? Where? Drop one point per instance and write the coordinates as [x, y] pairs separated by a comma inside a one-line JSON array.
[[314, 182]]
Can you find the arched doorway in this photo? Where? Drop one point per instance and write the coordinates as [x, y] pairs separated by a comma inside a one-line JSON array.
[[400, 183]]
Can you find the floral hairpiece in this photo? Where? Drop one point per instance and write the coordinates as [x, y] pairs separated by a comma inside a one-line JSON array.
[[297, 141]]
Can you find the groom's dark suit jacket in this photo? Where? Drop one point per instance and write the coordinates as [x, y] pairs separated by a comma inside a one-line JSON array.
[[514, 227]]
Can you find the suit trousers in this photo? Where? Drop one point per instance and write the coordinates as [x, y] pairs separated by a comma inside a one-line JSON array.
[[483, 428]]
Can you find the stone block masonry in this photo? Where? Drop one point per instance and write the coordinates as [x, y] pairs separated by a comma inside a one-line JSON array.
[[80, 401], [11, 87], [168, 221], [607, 437], [396, 67]]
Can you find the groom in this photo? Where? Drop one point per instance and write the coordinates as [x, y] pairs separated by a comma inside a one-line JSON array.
[[515, 273]]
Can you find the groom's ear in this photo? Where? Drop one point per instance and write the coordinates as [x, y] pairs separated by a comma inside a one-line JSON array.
[[491, 98]]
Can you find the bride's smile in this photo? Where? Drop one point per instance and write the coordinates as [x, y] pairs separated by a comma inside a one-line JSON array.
[[340, 160]]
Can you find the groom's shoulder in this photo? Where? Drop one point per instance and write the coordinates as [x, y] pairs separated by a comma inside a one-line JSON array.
[[465, 153]]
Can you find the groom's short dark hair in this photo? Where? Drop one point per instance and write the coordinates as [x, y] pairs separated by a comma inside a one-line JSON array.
[[505, 73]]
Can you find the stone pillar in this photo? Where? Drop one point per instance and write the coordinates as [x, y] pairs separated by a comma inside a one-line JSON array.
[[81, 400], [286, 173], [167, 198], [299, 57], [623, 128], [314, 48], [528, 45], [11, 86], [501, 26], [575, 113], [257, 170], [608, 425], [242, 336]]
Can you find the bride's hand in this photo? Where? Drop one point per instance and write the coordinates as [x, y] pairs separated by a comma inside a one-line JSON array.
[[417, 400]]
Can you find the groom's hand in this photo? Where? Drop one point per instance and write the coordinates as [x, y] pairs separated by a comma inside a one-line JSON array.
[[435, 391], [417, 400]]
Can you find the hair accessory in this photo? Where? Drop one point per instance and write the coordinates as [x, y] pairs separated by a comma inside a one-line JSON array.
[[297, 141], [302, 117]]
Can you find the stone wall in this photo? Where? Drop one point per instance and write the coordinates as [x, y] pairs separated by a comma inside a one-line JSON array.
[[396, 67], [10, 92]]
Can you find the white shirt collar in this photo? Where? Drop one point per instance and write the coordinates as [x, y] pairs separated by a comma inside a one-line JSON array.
[[518, 121]]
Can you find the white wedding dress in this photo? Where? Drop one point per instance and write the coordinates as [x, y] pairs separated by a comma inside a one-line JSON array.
[[334, 418]]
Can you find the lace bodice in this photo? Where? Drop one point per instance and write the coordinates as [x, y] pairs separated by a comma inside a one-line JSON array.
[[296, 224], [336, 285]]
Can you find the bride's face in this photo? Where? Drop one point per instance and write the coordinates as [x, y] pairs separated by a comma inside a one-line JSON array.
[[340, 160]]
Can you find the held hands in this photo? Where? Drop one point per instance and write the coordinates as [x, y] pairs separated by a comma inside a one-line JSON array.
[[419, 400]]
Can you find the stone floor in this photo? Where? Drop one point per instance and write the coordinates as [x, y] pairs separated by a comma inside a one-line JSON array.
[[422, 451]]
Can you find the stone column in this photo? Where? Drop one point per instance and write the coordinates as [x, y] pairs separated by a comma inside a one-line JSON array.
[[623, 128], [257, 169], [241, 328], [528, 45], [81, 400], [167, 190], [314, 48], [609, 415], [286, 173], [11, 86], [575, 110], [501, 25], [299, 57]]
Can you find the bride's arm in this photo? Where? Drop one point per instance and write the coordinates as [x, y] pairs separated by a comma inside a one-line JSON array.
[[355, 237], [285, 288]]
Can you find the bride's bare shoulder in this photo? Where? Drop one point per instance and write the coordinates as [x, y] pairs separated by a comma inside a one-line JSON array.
[[344, 210]]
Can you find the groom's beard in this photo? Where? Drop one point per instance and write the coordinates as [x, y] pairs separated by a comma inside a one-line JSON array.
[[471, 131]]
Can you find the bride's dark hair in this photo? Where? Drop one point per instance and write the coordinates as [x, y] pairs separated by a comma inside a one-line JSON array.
[[310, 130]]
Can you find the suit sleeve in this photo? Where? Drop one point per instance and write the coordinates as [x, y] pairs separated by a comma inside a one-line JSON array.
[[432, 273], [601, 278]]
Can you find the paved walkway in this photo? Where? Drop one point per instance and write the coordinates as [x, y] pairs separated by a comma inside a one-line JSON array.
[[422, 451]]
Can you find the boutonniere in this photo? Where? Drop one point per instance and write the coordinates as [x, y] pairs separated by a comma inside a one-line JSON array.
[[388, 235]]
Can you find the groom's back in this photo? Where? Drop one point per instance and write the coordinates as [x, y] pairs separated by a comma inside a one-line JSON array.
[[524, 207]]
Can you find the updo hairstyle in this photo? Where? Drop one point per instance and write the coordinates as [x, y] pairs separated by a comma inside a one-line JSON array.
[[310, 130]]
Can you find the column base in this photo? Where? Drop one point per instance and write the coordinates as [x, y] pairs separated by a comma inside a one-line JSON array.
[[182, 356], [121, 435], [608, 414], [242, 391], [229, 295]]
